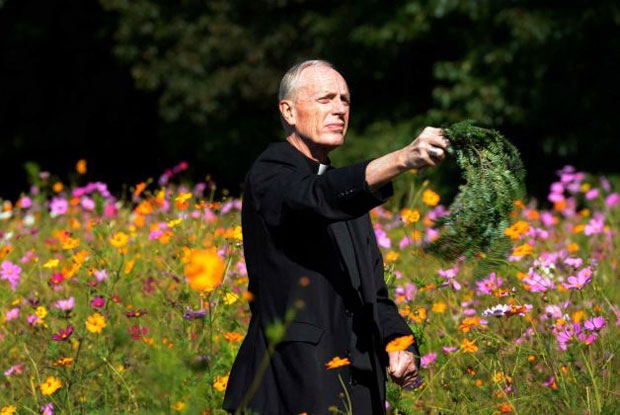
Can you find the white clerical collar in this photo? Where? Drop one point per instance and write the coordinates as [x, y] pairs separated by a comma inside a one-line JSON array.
[[322, 168]]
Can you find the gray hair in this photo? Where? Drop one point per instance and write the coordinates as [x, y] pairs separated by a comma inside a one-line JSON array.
[[288, 85]]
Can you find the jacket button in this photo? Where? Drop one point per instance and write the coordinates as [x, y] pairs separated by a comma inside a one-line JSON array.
[[348, 312]]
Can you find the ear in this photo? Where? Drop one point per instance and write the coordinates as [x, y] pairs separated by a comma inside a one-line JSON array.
[[288, 111]]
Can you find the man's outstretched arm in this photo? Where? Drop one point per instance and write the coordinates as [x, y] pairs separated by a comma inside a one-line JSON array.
[[427, 150]]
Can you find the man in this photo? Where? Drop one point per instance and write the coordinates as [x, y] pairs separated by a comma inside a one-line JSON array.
[[309, 246]]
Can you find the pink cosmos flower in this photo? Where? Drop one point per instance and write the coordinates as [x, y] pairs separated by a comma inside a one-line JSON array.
[[612, 200], [382, 239], [487, 285], [66, 305], [101, 275], [98, 302], [12, 314], [25, 202], [595, 226], [63, 334], [87, 203], [538, 283], [47, 409], [10, 272], [592, 194], [449, 349], [428, 359], [594, 323], [573, 262], [450, 275], [58, 206], [17, 369]]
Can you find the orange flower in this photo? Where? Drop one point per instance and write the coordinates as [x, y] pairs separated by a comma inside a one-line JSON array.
[[410, 216], [517, 230], [522, 250], [233, 336], [95, 323], [337, 362], [469, 323], [80, 166], [399, 343], [139, 188], [430, 198], [205, 269], [469, 346]]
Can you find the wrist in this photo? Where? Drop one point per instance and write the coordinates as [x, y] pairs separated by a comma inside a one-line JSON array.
[[401, 161]]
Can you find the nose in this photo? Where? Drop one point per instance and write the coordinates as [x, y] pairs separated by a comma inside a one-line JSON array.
[[339, 106]]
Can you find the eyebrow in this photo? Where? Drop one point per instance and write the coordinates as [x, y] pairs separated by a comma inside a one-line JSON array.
[[328, 94]]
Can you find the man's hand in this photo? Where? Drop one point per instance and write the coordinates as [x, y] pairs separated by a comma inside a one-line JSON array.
[[403, 370], [427, 150]]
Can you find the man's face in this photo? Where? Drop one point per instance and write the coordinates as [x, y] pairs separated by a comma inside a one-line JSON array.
[[320, 108]]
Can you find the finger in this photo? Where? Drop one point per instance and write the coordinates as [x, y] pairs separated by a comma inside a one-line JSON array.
[[439, 141], [436, 153]]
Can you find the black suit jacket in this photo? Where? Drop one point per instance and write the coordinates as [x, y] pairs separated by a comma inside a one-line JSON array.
[[292, 228]]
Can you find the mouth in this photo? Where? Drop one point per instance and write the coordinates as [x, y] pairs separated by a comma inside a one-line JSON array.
[[335, 127]]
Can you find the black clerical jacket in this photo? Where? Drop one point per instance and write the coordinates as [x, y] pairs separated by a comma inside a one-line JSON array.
[[310, 247]]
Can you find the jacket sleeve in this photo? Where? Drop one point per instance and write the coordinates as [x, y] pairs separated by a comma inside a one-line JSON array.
[[393, 324], [280, 190]]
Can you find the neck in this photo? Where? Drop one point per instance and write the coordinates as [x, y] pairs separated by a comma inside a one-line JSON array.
[[311, 150]]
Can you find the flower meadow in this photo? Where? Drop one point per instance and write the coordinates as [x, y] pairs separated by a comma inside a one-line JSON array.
[[139, 304]]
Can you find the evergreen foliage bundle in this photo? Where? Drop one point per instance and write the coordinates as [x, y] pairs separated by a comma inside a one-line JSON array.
[[480, 213]]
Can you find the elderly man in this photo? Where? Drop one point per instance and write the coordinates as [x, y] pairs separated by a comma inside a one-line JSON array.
[[310, 247]]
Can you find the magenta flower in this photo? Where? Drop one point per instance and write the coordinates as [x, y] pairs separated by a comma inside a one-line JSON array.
[[10, 272], [25, 202], [17, 369], [382, 239], [449, 349], [450, 275], [97, 302], [487, 285], [612, 200], [593, 227], [47, 409], [58, 206], [12, 314], [538, 283], [573, 262], [594, 323], [66, 305], [428, 359], [63, 334], [592, 194], [569, 333], [87, 203], [583, 277], [137, 331], [101, 275]]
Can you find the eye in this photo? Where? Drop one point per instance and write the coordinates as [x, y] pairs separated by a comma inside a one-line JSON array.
[[324, 100]]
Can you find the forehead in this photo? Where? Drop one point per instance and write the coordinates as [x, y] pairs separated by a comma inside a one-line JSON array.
[[320, 79]]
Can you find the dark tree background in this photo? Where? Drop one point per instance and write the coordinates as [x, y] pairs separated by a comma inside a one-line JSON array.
[[135, 86]]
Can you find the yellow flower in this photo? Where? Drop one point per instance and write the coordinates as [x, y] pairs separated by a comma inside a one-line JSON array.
[[50, 386], [230, 298], [399, 343], [80, 166], [430, 198], [41, 312], [522, 250], [469, 346], [183, 197], [52, 263], [391, 256], [337, 362], [95, 323], [498, 377], [174, 222], [178, 406], [220, 383], [70, 243], [205, 269], [410, 216], [8, 410], [119, 240], [439, 307]]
